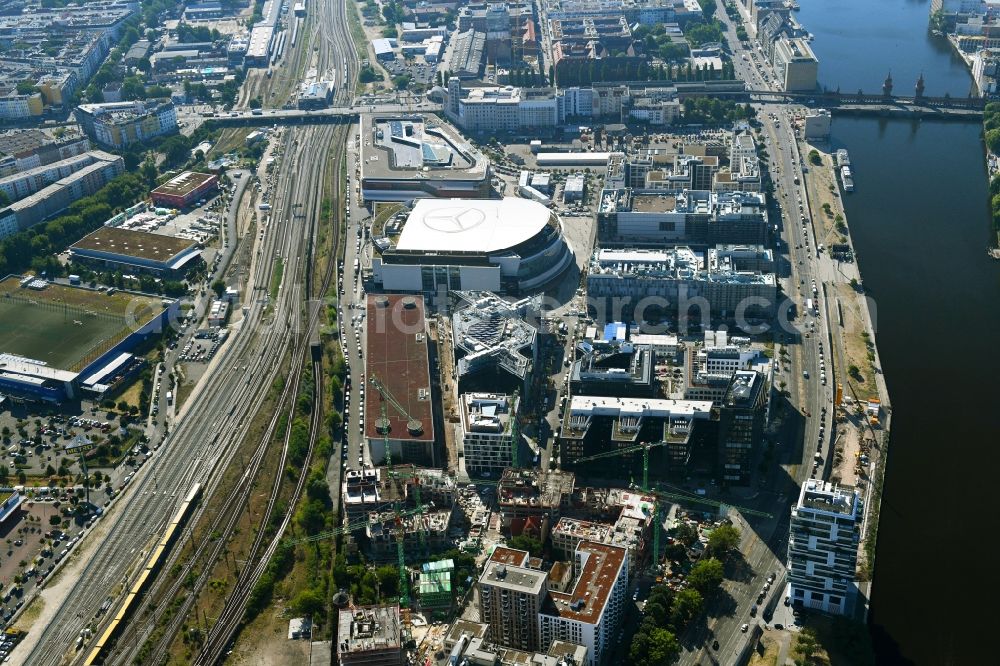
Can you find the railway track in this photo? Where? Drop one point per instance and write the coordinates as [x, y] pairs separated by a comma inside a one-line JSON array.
[[192, 453], [227, 517], [227, 626]]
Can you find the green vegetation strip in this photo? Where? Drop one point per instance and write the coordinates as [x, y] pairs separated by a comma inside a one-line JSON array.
[[357, 32], [991, 129], [279, 269]]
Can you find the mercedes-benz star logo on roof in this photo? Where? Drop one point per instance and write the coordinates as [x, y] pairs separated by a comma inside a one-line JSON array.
[[454, 220]]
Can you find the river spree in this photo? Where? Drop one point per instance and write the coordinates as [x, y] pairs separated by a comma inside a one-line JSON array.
[[920, 223]]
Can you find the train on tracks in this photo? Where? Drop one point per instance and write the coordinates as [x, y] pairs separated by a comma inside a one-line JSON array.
[[156, 559]]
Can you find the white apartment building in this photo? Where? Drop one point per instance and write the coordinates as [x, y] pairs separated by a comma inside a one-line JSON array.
[[523, 613], [591, 612], [25, 183], [488, 431], [796, 64], [823, 547]]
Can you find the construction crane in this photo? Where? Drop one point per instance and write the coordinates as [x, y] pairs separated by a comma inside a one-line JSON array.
[[383, 425], [657, 507], [677, 498], [515, 439], [627, 451], [672, 497]]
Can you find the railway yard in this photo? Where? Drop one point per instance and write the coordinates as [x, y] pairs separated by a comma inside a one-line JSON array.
[[348, 439]]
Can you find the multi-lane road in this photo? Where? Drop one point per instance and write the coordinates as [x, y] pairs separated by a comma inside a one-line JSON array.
[[808, 342]]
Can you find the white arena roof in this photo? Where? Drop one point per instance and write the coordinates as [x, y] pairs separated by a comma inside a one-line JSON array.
[[471, 225]]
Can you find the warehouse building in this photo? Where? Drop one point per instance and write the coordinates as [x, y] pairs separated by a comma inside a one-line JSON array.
[[398, 357], [185, 189], [60, 342], [117, 249]]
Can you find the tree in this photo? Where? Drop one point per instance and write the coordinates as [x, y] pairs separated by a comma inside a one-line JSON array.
[[722, 541], [254, 103], [687, 606], [686, 534], [219, 287], [707, 8], [308, 602], [176, 149], [706, 576], [993, 141], [654, 648], [528, 543], [806, 644]]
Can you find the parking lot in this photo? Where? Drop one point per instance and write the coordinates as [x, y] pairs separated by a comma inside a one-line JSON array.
[[423, 73]]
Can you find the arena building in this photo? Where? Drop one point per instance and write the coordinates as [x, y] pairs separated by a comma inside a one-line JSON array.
[[410, 157], [512, 245], [185, 189], [62, 343], [132, 251]]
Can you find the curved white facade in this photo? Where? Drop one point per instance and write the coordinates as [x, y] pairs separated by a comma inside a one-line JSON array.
[[472, 244]]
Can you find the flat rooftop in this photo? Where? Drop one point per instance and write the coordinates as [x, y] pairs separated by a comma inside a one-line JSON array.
[[652, 203], [602, 563], [397, 355], [368, 629], [654, 408], [828, 497], [129, 243], [412, 146], [511, 556], [513, 577], [184, 183]]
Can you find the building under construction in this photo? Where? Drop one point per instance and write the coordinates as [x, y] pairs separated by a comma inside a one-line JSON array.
[[370, 636], [422, 533], [523, 493], [374, 488]]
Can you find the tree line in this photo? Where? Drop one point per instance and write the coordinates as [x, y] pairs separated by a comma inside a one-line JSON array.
[[991, 129], [579, 72], [34, 247]]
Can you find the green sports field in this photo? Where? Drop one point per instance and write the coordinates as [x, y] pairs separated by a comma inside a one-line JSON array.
[[63, 326]]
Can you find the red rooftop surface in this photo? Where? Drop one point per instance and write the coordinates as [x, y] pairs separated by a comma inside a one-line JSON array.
[[510, 556], [397, 356], [594, 585]]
